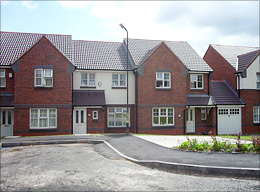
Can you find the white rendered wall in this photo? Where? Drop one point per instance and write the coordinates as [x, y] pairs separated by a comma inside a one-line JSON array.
[[113, 96], [250, 81]]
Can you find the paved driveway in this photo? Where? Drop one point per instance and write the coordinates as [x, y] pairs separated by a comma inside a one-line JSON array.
[[86, 167]]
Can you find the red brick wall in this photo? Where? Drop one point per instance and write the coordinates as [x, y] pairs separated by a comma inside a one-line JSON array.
[[22, 123], [9, 82], [43, 53], [161, 58], [204, 126], [222, 70], [204, 91], [250, 97], [96, 126]]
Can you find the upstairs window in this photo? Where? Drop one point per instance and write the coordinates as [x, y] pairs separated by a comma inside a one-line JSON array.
[[2, 78], [118, 80], [196, 81], [258, 81], [88, 79], [43, 78], [163, 80]]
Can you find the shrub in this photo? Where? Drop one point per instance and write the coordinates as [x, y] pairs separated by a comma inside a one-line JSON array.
[[256, 143]]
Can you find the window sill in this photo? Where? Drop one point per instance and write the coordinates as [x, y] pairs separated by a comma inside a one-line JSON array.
[[199, 89], [117, 127], [119, 87], [43, 87], [93, 87], [2, 87], [42, 129], [163, 88]]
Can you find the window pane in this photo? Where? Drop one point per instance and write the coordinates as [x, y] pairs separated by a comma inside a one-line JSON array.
[[43, 122], [48, 81], [124, 119], [163, 112], [3, 117], [199, 78], [82, 116], [166, 83], [170, 120], [111, 110], [43, 113], [193, 84], [199, 84], [156, 120], [77, 116], [256, 114], [166, 76], [114, 80], [122, 80], [162, 120], [156, 112], [9, 118], [2, 82], [118, 118], [2, 73], [170, 112], [48, 73], [92, 79], [84, 79], [159, 83], [159, 76], [111, 119], [193, 77], [119, 110]]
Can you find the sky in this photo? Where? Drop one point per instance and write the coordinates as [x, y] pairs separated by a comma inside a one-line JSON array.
[[199, 23]]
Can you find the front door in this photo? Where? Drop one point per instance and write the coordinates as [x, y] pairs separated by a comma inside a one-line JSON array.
[[7, 117], [190, 123], [79, 121]]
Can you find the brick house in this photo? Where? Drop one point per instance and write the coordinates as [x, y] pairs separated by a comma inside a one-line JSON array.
[[238, 66], [51, 84], [36, 84]]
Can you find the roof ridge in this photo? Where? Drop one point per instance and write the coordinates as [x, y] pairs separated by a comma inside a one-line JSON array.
[[33, 33], [155, 40], [96, 41], [235, 46]]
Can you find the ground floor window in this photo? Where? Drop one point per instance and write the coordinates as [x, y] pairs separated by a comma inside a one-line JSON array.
[[256, 111], [163, 116], [43, 118], [203, 114], [117, 117]]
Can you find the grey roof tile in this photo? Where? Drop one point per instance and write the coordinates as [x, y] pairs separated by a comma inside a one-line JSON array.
[[245, 60], [223, 94], [140, 49], [13, 45], [100, 55], [230, 52], [199, 100], [89, 98]]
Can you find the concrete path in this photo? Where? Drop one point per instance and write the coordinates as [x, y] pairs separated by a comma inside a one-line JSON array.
[[175, 141], [153, 155]]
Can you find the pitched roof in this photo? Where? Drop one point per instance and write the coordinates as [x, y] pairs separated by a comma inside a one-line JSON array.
[[100, 55], [13, 45], [140, 49], [246, 59], [223, 94], [89, 98], [230, 52], [199, 100]]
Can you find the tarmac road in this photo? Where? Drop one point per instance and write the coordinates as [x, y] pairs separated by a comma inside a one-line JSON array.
[[87, 167]]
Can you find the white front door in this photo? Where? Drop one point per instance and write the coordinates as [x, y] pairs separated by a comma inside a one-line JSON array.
[[7, 121], [190, 123], [229, 120], [79, 121]]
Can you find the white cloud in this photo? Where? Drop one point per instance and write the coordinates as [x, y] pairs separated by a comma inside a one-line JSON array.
[[29, 4], [75, 4]]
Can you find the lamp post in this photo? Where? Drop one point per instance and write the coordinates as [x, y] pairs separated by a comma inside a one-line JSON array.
[[127, 110]]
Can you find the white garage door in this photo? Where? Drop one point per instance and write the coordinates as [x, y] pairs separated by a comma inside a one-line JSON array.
[[229, 120]]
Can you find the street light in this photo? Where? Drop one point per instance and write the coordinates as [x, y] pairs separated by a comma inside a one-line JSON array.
[[127, 110]]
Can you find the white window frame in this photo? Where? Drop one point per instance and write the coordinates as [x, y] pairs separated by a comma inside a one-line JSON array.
[[162, 115], [256, 113], [95, 115], [2, 78], [118, 80], [258, 81], [43, 78], [88, 79], [163, 80], [117, 110], [195, 80], [204, 111], [39, 117]]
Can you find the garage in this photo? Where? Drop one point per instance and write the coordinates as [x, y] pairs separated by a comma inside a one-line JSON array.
[[229, 120]]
